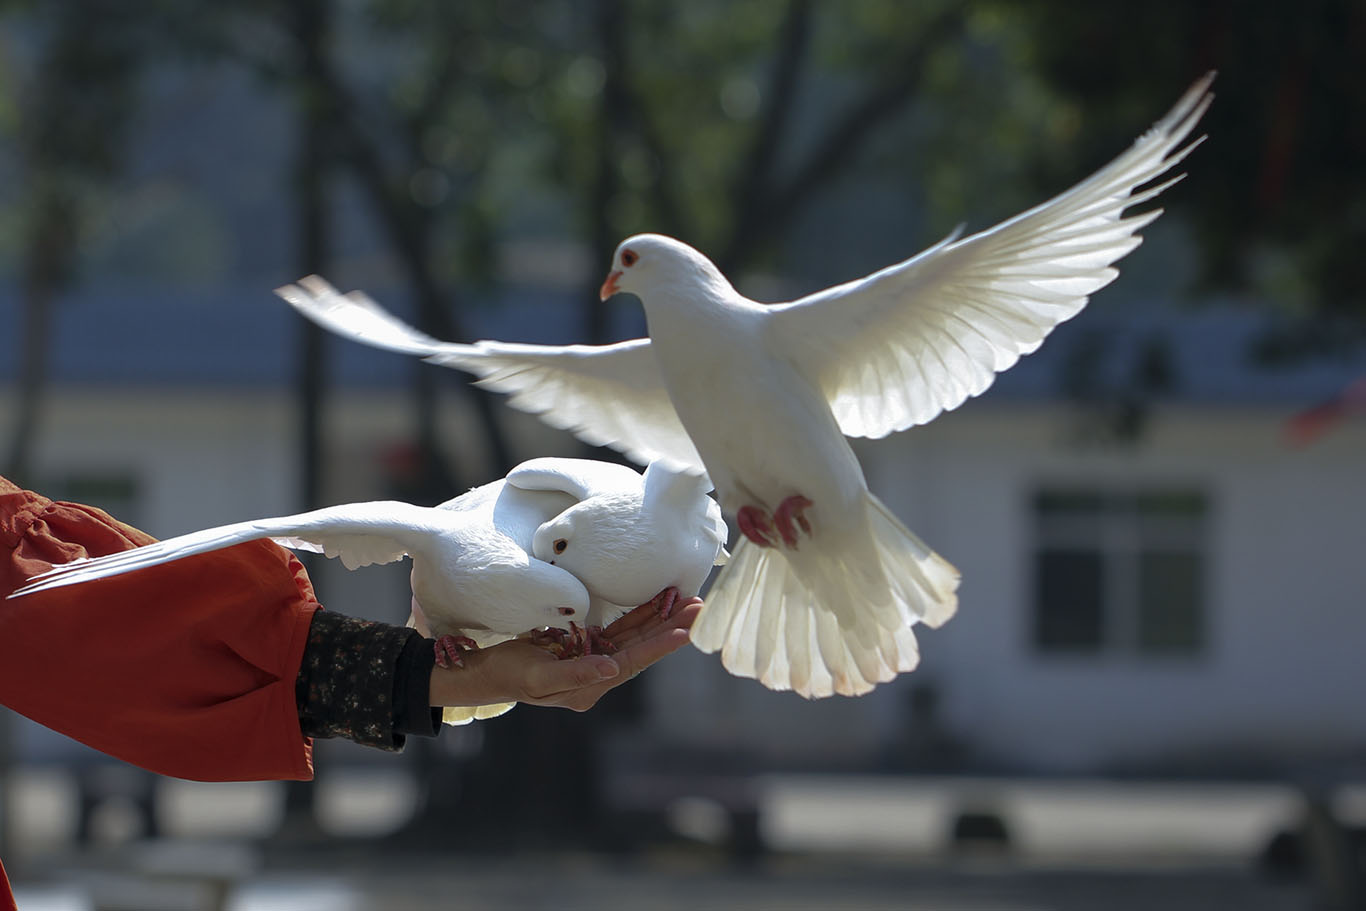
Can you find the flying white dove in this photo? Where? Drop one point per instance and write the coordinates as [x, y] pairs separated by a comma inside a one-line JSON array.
[[821, 595]]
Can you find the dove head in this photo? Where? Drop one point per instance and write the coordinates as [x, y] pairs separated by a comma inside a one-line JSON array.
[[605, 543], [650, 262]]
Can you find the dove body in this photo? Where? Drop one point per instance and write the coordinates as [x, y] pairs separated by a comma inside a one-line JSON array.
[[828, 604], [762, 428], [630, 545]]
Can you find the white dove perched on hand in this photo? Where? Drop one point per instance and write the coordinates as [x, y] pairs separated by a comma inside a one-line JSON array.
[[630, 539], [821, 595]]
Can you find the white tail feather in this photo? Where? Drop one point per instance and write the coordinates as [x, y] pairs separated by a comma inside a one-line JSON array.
[[456, 715], [816, 623]]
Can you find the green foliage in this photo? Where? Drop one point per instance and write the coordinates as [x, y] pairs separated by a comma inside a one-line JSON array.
[[1279, 191]]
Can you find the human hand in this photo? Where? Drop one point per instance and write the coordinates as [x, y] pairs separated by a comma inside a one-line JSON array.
[[521, 671]]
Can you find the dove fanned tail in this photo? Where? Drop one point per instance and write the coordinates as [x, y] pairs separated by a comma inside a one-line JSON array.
[[456, 715], [817, 624]]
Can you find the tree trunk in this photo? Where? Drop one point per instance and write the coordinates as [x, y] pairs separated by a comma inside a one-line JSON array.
[[298, 821], [45, 268]]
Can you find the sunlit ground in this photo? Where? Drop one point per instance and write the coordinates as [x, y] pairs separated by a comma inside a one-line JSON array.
[[829, 843]]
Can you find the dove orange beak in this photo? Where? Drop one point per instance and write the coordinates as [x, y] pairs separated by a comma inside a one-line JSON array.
[[609, 287]]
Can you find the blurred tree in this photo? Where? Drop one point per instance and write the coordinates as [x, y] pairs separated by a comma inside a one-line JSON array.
[[722, 123], [72, 115], [1280, 205], [69, 118], [311, 30]]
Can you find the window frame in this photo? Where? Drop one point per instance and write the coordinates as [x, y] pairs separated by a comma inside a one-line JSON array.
[[1123, 535]]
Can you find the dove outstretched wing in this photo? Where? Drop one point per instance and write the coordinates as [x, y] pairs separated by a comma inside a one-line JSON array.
[[898, 347], [358, 534], [607, 395]]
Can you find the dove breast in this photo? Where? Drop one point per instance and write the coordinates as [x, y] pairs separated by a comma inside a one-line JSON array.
[[763, 426]]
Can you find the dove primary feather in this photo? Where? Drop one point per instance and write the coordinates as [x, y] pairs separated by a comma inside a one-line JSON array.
[[822, 591]]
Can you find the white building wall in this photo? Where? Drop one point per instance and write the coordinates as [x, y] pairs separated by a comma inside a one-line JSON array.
[[1286, 588]]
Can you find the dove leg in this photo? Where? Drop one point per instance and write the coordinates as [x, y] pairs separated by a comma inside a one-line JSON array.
[[554, 640], [664, 602], [448, 649], [600, 642], [789, 512], [571, 643], [756, 525], [574, 642]]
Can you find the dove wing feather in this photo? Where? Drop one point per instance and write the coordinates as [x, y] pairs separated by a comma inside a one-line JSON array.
[[579, 478], [607, 395], [355, 315], [358, 533], [900, 346]]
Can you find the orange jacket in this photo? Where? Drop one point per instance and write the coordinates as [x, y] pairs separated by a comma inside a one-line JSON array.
[[186, 668]]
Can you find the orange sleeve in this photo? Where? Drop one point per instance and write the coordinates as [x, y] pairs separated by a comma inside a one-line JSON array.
[[186, 668]]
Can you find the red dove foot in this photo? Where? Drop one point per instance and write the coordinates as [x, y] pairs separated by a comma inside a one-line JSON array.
[[756, 525], [575, 642], [555, 641], [664, 602], [759, 527], [448, 649], [599, 643]]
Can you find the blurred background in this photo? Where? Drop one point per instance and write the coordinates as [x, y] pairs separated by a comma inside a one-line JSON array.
[[1152, 693]]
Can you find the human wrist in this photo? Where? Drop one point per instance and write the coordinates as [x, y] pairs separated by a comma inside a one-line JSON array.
[[467, 685]]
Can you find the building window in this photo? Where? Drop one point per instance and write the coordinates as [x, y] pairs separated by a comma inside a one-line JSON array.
[[1119, 571]]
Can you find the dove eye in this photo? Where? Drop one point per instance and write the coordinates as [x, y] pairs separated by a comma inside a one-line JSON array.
[[566, 611], [628, 258], [560, 544]]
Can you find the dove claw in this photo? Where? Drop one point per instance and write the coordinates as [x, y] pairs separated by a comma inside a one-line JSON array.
[[574, 643], [759, 527], [449, 648], [755, 524], [664, 602], [554, 640], [789, 511], [604, 645]]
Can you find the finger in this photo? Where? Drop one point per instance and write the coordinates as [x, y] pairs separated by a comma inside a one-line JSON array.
[[632, 661], [630, 621], [681, 619], [641, 655], [549, 679], [648, 623]]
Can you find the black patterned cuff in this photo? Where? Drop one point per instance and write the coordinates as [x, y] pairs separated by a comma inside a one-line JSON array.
[[413, 709], [346, 683]]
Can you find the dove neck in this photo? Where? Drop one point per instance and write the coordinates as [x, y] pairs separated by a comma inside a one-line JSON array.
[[697, 316]]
